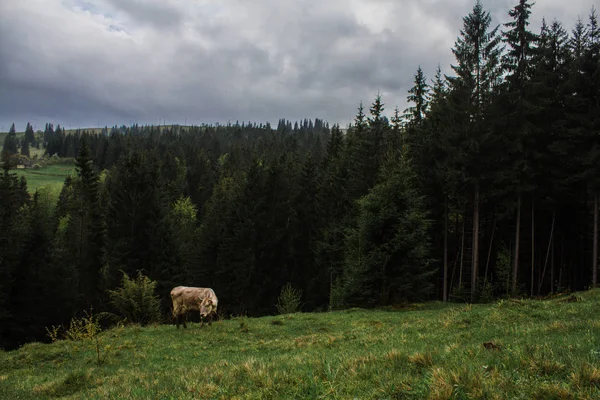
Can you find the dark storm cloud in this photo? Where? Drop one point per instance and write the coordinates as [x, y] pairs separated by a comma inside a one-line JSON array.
[[86, 62]]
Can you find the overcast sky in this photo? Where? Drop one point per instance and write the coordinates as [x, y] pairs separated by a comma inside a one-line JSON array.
[[89, 62]]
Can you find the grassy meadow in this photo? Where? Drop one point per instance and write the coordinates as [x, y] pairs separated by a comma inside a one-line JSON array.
[[517, 349], [52, 175]]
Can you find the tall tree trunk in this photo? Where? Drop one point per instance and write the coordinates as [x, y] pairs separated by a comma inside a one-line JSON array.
[[532, 244], [595, 246], [475, 261], [462, 253], [517, 243], [487, 264], [547, 253], [445, 296], [562, 255], [552, 269], [458, 255]]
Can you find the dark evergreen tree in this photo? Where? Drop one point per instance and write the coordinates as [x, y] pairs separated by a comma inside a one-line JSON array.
[[418, 96], [477, 53], [29, 134], [25, 148], [388, 246], [519, 127], [13, 196], [10, 142]]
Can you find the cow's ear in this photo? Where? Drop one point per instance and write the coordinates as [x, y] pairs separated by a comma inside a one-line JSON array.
[[209, 302]]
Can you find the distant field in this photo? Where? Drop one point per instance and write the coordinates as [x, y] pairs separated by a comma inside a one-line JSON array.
[[53, 175]]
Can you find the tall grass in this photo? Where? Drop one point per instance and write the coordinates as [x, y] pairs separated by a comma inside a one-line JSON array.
[[512, 349]]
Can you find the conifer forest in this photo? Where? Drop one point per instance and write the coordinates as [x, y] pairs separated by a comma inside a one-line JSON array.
[[487, 186]]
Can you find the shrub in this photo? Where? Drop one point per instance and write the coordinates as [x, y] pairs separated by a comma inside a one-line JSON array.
[[289, 300], [81, 329], [135, 300]]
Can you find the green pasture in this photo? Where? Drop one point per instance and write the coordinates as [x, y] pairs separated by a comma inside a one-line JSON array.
[[51, 175], [511, 349]]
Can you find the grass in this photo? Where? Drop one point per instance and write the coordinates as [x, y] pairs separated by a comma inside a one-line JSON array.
[[518, 349], [49, 176]]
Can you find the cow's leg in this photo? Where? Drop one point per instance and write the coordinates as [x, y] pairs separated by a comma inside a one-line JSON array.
[[201, 321], [210, 318]]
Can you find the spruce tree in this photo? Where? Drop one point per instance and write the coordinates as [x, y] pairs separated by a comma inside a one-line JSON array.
[[25, 148], [517, 62], [29, 134], [10, 142], [477, 53], [419, 97], [388, 245]]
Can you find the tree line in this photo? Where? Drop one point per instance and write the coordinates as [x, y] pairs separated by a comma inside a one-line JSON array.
[[486, 186]]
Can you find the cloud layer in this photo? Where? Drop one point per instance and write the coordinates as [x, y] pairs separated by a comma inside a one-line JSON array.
[[89, 62]]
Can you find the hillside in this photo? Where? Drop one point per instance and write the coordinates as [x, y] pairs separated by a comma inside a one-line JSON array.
[[543, 349]]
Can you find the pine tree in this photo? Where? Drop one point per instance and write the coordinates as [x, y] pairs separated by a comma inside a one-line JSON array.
[[388, 245], [517, 62], [419, 97], [25, 148], [29, 135], [13, 198], [10, 142], [91, 225], [477, 52], [585, 110]]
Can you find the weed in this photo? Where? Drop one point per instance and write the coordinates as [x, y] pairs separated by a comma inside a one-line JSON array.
[[86, 328], [53, 332]]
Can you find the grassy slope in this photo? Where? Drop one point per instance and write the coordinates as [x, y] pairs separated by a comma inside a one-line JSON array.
[[548, 350], [51, 175]]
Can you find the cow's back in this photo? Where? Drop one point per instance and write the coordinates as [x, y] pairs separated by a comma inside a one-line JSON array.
[[191, 297]]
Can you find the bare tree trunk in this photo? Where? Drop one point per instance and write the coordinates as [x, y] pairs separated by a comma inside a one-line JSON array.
[[458, 254], [462, 254], [552, 269], [517, 243], [532, 244], [595, 246], [487, 264], [445, 296], [547, 253], [475, 261], [562, 255]]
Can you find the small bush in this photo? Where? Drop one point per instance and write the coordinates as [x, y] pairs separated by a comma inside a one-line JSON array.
[[135, 300], [289, 300], [84, 328]]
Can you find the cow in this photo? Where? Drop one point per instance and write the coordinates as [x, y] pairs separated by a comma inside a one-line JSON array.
[[187, 299]]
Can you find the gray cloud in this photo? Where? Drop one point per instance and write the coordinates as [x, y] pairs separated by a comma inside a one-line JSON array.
[[84, 62], [149, 12]]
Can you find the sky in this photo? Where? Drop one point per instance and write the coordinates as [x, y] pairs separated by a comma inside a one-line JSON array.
[[88, 63]]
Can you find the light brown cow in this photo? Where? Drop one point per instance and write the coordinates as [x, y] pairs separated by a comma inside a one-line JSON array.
[[187, 299]]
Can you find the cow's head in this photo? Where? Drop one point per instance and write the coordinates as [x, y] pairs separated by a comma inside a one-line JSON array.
[[206, 307]]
